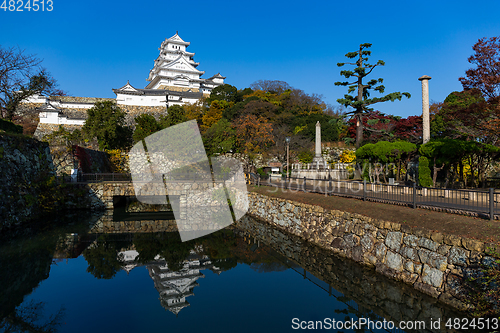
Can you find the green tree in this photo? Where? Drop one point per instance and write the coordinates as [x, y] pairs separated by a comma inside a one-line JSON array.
[[106, 123], [384, 152], [225, 92], [175, 115], [102, 258], [361, 101], [463, 115], [219, 138], [146, 125]]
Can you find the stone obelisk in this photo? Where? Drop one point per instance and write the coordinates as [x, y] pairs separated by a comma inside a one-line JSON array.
[[318, 158], [426, 135]]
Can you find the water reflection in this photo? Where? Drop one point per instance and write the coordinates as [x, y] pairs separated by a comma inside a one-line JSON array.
[[177, 269]]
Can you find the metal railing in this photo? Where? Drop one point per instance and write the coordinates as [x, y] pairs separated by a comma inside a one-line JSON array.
[[485, 203], [127, 177]]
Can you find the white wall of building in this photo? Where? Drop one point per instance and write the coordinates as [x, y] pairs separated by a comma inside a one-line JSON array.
[[140, 100]]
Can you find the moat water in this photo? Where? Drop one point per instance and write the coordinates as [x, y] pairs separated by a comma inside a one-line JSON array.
[[250, 278]]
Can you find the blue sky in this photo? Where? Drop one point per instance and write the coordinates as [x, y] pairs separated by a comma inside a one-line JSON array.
[[92, 46]]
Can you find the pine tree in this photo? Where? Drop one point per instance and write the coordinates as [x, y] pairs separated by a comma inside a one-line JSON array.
[[361, 101]]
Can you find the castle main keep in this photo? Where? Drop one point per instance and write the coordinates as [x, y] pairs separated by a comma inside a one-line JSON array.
[[173, 80]]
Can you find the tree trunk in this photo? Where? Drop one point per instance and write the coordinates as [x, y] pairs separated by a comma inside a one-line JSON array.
[[359, 129]]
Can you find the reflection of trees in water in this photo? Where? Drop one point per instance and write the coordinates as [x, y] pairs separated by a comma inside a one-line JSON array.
[[26, 256], [267, 267], [224, 248], [27, 318], [167, 245], [102, 256]]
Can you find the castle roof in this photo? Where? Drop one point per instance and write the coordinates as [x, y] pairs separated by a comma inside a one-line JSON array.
[[128, 89]]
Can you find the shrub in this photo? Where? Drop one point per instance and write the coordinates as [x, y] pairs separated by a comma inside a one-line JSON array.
[[424, 173], [10, 127]]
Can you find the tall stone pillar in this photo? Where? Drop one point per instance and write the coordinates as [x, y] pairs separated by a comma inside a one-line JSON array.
[[426, 135], [318, 158], [318, 140]]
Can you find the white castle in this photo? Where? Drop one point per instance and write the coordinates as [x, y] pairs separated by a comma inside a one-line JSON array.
[[174, 80]]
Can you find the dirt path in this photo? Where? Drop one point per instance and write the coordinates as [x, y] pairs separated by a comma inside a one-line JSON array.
[[463, 226]]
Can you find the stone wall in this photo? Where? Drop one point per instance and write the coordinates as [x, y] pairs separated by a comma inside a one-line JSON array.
[[25, 170], [45, 129], [133, 111], [65, 160], [431, 262]]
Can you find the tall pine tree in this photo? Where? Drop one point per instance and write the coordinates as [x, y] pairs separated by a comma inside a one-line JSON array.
[[361, 101]]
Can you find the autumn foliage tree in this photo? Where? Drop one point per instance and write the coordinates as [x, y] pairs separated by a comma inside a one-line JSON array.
[[253, 135], [486, 75]]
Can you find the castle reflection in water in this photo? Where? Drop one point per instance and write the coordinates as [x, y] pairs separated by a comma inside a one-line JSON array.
[[173, 286]]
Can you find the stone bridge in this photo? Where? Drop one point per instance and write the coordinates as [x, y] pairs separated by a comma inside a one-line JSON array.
[[197, 205]]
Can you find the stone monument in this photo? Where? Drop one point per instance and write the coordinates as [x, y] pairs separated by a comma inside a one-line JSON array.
[[318, 160]]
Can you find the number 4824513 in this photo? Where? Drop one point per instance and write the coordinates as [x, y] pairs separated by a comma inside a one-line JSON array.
[[27, 5]]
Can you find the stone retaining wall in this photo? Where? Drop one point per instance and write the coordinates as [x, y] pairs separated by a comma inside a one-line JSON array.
[[431, 262], [26, 173]]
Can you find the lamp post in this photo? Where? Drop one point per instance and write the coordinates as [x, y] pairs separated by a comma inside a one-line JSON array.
[[287, 140]]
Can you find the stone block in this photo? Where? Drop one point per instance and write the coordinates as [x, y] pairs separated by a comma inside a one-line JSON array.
[[473, 245], [337, 243], [433, 259], [452, 240], [421, 232], [393, 240], [380, 251], [387, 271], [437, 237], [458, 256], [351, 240], [357, 253], [444, 249], [408, 266], [407, 229], [370, 259], [432, 276], [411, 240], [367, 242], [409, 252], [394, 261], [426, 289], [428, 244], [409, 278]]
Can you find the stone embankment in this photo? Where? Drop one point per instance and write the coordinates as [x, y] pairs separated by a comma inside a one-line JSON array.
[[26, 172], [431, 262]]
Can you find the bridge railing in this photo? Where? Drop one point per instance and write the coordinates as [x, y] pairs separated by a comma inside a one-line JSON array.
[[127, 177], [485, 202]]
